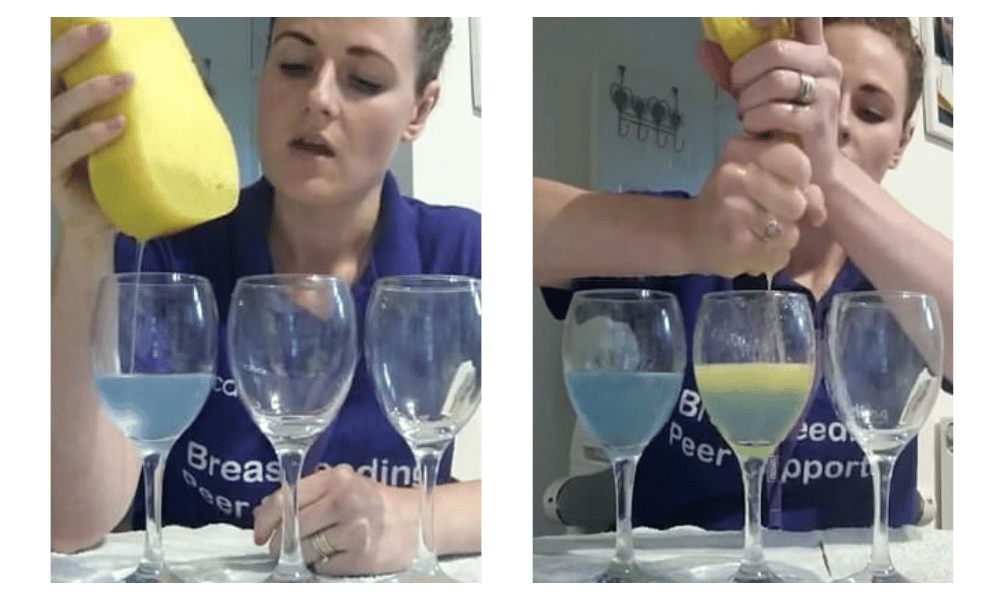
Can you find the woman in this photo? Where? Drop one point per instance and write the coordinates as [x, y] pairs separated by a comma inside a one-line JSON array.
[[336, 97], [814, 213]]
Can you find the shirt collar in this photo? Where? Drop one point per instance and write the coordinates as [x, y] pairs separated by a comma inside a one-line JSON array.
[[395, 249]]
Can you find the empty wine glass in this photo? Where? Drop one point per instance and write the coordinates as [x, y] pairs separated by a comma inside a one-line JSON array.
[[754, 361], [883, 369], [624, 354], [153, 347], [293, 347], [422, 344]]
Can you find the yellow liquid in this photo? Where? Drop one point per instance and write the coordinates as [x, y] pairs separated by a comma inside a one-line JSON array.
[[754, 405]]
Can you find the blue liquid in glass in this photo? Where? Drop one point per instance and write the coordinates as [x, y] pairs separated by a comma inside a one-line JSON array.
[[623, 409], [153, 407]]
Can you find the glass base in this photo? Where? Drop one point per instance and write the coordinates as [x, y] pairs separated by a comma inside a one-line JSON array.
[[736, 572], [436, 575], [141, 575], [629, 572], [303, 576], [872, 575]]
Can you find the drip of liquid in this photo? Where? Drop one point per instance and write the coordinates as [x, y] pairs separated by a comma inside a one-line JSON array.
[[773, 324], [135, 307]]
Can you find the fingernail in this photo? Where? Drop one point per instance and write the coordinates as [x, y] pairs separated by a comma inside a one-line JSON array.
[[116, 123], [99, 30], [122, 80]]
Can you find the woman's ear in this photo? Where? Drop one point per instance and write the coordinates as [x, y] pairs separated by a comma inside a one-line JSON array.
[[904, 140], [422, 110]]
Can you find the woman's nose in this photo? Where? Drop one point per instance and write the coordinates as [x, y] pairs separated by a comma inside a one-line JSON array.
[[324, 95], [844, 121]]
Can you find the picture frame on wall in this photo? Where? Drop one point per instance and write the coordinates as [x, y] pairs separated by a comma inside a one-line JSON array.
[[937, 38], [474, 55]]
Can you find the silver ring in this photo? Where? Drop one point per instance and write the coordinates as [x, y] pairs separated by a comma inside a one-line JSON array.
[[807, 89], [322, 545], [772, 229]]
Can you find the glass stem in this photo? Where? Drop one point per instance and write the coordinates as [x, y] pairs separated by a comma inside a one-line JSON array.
[[428, 461], [152, 563], [624, 472], [753, 553], [291, 565], [881, 478]]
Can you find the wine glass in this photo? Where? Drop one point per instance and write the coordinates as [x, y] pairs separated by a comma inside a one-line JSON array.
[[624, 355], [754, 361], [293, 345], [153, 346], [883, 370], [422, 344]]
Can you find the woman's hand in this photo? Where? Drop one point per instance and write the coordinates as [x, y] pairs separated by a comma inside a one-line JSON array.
[[72, 197], [371, 527], [766, 83], [745, 218]]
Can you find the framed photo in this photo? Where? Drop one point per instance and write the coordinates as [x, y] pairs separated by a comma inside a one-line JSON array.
[[938, 41], [474, 45]]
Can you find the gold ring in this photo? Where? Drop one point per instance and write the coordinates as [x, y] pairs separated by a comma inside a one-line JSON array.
[[322, 545]]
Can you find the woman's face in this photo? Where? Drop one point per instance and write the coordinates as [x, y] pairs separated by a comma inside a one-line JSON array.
[[873, 97], [336, 97]]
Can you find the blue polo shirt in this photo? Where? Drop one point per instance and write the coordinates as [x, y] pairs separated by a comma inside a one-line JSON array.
[[689, 475], [222, 466]]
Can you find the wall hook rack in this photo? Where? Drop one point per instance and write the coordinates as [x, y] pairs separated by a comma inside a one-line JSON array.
[[647, 114]]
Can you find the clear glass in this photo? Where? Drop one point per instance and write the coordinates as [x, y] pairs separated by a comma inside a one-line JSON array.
[[624, 355], [153, 349], [883, 367], [293, 346], [755, 361], [422, 345]]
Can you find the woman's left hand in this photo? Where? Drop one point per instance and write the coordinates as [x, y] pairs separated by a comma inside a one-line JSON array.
[[370, 527], [767, 80]]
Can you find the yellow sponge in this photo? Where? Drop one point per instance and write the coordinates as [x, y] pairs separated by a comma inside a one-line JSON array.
[[737, 36], [174, 165]]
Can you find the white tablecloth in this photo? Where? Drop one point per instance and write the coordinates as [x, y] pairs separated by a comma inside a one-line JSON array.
[[215, 553], [921, 554]]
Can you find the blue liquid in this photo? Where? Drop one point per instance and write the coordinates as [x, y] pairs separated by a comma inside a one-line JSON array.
[[153, 407], [623, 409]]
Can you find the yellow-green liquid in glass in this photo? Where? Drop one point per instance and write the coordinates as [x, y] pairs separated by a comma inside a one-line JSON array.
[[754, 405]]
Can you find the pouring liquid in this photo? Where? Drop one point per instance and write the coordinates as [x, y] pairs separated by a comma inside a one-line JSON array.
[[772, 324]]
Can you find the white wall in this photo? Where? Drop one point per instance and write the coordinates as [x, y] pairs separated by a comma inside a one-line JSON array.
[[447, 168], [568, 55]]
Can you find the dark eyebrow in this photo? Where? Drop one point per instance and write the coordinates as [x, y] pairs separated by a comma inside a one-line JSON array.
[[295, 34], [363, 51], [360, 51], [877, 90], [872, 88]]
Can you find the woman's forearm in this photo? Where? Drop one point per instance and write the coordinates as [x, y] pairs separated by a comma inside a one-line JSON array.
[[894, 248], [458, 517], [579, 233], [94, 469]]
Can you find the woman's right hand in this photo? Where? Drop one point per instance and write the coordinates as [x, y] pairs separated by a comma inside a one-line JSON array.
[[72, 197], [755, 182]]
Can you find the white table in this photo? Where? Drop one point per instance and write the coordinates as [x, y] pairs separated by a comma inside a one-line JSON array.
[[922, 554], [215, 553]]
